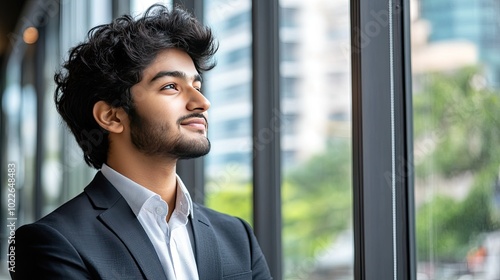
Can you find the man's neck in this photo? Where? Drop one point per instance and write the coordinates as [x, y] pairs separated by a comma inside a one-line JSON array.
[[155, 174]]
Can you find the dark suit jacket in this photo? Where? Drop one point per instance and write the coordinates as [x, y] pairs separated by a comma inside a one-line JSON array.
[[97, 236]]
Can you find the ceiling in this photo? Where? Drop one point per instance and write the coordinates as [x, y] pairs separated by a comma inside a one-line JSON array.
[[10, 11]]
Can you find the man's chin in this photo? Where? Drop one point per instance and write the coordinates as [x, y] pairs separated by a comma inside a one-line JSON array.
[[194, 154], [194, 150]]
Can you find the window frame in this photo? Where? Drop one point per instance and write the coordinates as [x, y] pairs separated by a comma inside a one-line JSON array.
[[382, 143], [382, 151]]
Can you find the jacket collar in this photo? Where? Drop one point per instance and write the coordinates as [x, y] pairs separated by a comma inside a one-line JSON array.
[[120, 219], [208, 259]]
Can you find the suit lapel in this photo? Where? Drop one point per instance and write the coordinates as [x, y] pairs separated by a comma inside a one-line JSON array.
[[208, 259], [124, 224]]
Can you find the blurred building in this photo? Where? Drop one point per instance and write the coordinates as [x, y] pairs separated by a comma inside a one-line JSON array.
[[314, 53], [474, 21]]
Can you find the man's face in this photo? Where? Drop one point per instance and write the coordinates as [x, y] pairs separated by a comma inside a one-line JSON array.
[[169, 115]]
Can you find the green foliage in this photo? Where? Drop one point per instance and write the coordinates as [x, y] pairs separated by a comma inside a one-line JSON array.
[[461, 122], [457, 129], [434, 231], [445, 227], [233, 198], [317, 205]]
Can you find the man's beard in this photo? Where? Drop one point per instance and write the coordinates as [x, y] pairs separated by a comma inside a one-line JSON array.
[[155, 139]]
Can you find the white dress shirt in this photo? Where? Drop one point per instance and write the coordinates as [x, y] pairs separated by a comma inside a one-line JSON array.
[[170, 240]]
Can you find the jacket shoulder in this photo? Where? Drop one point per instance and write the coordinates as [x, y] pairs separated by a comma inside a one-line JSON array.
[[84, 207]]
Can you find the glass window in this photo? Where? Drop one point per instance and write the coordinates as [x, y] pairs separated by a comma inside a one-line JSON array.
[[52, 166], [290, 51], [75, 21], [236, 93], [456, 98], [289, 87], [26, 170], [228, 87], [237, 56], [289, 17], [237, 21], [316, 153]]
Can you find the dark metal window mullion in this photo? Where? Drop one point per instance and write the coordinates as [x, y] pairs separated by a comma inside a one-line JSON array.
[[382, 147], [404, 117], [266, 131]]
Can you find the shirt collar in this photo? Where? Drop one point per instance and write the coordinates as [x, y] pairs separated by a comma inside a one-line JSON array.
[[136, 195]]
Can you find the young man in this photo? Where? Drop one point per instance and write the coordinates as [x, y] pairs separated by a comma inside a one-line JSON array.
[[131, 95]]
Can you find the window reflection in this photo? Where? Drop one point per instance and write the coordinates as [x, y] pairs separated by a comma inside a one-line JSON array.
[[456, 96]]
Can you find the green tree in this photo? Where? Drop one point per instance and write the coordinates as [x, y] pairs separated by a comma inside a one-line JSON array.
[[317, 203], [447, 227], [457, 129], [231, 195], [460, 118]]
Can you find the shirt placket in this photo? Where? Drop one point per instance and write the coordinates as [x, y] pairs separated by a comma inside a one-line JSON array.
[[160, 214]]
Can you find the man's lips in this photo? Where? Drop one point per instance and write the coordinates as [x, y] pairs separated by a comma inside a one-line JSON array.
[[198, 123]]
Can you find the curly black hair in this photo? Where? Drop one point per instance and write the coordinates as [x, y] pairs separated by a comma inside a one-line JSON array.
[[112, 59]]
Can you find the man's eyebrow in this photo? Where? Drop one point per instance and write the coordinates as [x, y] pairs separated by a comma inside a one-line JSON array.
[[177, 74]]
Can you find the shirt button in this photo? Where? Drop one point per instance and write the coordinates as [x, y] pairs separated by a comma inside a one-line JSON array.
[[159, 211]]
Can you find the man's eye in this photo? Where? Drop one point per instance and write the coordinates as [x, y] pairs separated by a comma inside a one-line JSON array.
[[169, 86]]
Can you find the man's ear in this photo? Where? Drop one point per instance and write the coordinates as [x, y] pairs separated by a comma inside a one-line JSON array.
[[108, 117]]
